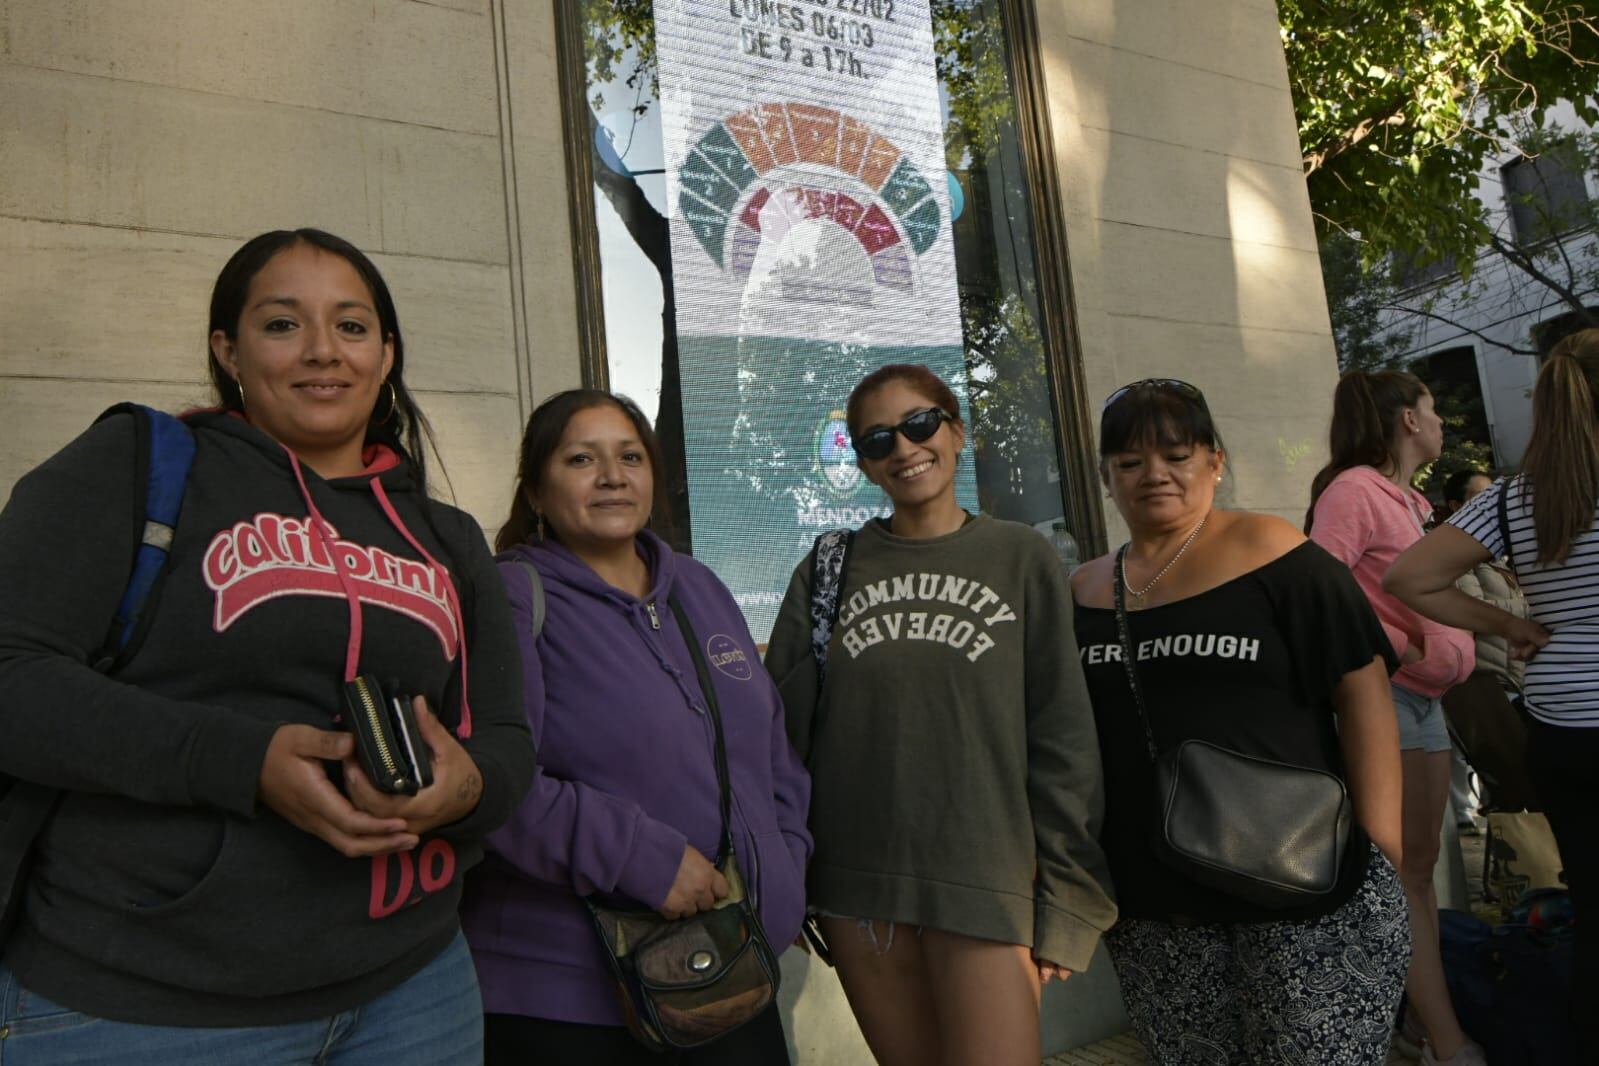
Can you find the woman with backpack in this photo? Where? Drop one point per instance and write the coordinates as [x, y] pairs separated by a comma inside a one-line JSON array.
[[225, 879], [958, 792], [1364, 511], [666, 782], [1545, 522]]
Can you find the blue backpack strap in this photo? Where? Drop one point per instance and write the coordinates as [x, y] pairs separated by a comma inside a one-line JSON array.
[[165, 452], [829, 560]]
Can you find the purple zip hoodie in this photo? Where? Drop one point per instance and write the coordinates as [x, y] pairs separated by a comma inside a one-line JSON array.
[[626, 777]]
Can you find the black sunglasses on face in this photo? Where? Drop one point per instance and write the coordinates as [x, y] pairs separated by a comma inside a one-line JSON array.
[[1181, 388], [879, 443]]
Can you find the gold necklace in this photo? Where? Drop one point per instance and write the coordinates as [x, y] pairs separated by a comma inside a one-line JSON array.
[[1139, 594]]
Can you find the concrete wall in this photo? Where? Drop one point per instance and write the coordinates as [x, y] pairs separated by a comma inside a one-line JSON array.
[[1192, 247], [142, 140]]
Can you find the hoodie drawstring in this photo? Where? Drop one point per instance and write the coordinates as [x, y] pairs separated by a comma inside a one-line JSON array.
[[352, 652], [352, 649], [464, 729]]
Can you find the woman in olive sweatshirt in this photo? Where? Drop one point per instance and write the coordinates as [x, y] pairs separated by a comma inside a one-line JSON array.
[[956, 782]]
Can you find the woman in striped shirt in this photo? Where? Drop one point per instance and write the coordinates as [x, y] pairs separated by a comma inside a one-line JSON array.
[[1546, 520]]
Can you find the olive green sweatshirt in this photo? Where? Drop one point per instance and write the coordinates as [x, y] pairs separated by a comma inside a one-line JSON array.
[[953, 757]]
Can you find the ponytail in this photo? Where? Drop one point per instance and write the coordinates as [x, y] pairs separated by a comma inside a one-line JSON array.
[[1365, 423], [521, 526], [1562, 457]]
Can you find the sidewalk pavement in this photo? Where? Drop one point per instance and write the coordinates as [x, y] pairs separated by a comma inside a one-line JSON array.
[[1125, 1050]]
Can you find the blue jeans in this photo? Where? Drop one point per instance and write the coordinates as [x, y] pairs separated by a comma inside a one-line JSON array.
[[433, 1019]]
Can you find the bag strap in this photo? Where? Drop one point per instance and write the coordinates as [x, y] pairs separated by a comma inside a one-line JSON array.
[[1125, 636], [164, 453], [714, 709], [1502, 506], [829, 561], [536, 597]]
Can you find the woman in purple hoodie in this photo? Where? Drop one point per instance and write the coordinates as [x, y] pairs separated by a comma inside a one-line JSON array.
[[626, 802]]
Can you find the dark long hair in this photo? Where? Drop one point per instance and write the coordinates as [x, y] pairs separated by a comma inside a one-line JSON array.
[[405, 426], [545, 427], [1152, 412], [1365, 424], [1562, 457]]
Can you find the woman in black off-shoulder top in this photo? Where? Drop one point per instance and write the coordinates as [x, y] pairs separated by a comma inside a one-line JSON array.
[[1246, 635]]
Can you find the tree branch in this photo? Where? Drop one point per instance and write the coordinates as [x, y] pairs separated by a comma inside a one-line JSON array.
[[1320, 157], [1512, 349], [1521, 260]]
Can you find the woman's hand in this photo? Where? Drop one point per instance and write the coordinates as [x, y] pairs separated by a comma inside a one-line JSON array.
[[1048, 970], [295, 783], [456, 788], [1525, 636], [697, 887]]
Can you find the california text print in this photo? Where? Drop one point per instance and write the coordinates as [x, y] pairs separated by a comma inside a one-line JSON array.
[[941, 608]]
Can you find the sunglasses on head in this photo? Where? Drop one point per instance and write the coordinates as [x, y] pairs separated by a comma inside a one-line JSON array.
[[879, 443], [1181, 388]]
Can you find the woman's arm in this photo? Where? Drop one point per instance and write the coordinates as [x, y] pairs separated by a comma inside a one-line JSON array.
[[66, 550], [565, 832], [791, 662], [1423, 578], [1065, 785], [1368, 732]]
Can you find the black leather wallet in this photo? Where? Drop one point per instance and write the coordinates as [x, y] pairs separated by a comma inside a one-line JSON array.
[[387, 738]]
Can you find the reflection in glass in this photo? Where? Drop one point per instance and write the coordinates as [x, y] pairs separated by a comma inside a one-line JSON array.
[[1012, 423]]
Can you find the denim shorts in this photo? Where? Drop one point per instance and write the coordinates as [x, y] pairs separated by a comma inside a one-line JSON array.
[[1421, 721]]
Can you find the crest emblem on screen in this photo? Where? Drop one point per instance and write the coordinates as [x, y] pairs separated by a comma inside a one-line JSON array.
[[835, 456]]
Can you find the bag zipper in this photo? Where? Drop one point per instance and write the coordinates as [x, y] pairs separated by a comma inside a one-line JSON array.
[[375, 722]]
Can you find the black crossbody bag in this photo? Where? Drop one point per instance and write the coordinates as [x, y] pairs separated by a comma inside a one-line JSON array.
[[1270, 833], [684, 982]]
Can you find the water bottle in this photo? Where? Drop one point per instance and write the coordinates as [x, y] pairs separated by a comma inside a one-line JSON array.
[[1065, 544]]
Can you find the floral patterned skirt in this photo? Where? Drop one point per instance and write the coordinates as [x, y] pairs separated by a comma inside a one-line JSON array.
[[1317, 992]]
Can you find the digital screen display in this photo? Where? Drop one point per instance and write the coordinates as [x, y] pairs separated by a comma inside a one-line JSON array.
[[809, 208]]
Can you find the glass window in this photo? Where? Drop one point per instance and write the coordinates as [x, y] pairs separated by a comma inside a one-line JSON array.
[[1015, 437], [1547, 193]]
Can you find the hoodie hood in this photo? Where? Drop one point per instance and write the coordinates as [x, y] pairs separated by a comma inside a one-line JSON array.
[[383, 459], [556, 562]]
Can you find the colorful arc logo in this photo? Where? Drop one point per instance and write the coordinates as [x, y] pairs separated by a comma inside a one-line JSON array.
[[727, 168]]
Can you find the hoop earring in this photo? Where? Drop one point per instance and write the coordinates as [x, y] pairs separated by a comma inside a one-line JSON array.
[[394, 404], [239, 384]]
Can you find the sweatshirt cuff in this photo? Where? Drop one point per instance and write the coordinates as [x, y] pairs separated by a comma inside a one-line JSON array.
[[651, 867], [1063, 939], [225, 761]]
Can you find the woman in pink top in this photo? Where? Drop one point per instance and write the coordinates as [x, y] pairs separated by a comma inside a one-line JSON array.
[[1363, 511]]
